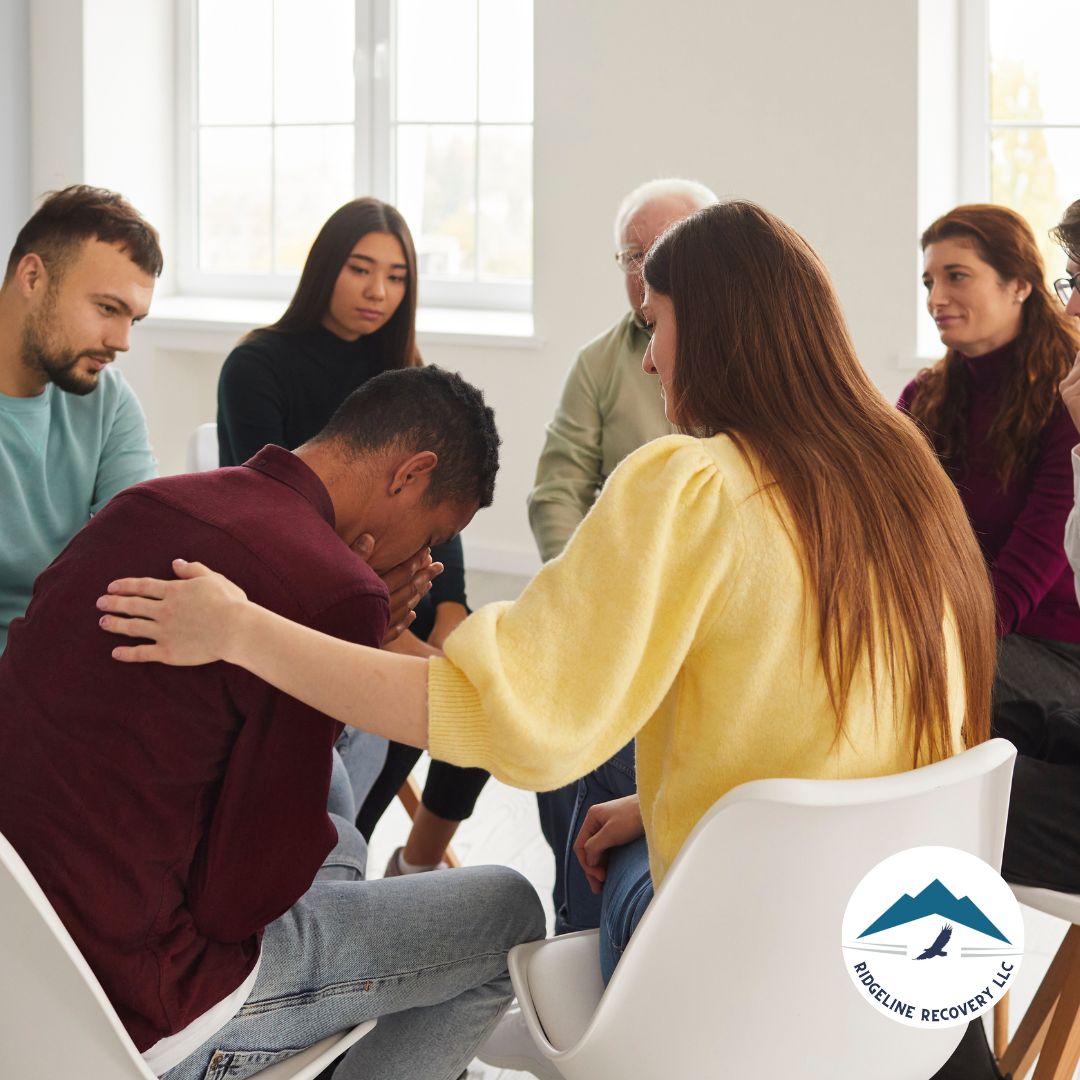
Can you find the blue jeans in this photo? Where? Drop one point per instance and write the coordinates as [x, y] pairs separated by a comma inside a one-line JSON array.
[[425, 954], [628, 887], [363, 756]]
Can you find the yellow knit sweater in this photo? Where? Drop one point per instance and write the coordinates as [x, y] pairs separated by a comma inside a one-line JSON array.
[[677, 615]]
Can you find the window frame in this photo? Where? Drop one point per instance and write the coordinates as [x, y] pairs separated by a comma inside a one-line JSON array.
[[955, 125], [374, 125]]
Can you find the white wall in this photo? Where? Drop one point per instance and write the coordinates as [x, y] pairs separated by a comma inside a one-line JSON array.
[[809, 108], [14, 120]]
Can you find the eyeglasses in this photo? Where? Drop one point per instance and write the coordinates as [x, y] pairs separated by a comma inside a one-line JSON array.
[[1064, 287], [630, 259]]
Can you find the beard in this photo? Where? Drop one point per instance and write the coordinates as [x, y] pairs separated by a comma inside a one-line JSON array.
[[57, 364]]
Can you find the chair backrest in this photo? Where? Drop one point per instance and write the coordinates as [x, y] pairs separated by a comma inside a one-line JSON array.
[[202, 449], [736, 969], [55, 1020]]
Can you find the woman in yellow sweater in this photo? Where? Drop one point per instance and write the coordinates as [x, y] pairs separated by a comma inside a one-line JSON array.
[[789, 589]]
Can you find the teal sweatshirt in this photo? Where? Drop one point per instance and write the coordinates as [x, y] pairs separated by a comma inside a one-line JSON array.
[[62, 457]]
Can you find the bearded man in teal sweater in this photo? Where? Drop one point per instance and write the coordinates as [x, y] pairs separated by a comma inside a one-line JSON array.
[[72, 435]]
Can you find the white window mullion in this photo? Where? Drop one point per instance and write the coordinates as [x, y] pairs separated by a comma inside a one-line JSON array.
[[476, 153], [362, 73], [187, 156], [382, 105], [974, 101]]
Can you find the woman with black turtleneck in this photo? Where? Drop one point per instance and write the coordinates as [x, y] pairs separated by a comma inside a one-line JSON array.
[[353, 316]]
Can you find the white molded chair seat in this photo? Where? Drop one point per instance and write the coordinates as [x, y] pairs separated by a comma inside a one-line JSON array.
[[202, 449], [56, 1022], [736, 968], [1059, 904]]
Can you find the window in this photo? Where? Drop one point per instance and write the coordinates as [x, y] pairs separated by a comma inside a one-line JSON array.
[[999, 115], [1032, 132], [289, 108]]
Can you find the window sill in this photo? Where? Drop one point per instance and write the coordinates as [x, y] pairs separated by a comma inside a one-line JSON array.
[[434, 326]]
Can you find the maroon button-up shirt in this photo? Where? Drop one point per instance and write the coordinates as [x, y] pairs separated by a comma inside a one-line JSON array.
[[169, 813]]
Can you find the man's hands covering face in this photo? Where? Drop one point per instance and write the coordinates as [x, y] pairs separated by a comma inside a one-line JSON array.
[[407, 583]]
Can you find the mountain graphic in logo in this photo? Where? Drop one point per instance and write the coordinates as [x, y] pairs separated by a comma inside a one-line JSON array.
[[935, 899]]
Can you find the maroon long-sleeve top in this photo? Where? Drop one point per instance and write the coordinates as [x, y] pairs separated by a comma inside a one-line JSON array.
[[170, 814], [1020, 528]]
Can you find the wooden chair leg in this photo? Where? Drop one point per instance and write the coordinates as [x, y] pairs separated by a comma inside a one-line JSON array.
[[409, 797], [1001, 1027], [1030, 1036], [1061, 1050]]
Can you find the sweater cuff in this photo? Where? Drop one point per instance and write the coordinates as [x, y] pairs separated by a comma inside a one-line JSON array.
[[458, 728]]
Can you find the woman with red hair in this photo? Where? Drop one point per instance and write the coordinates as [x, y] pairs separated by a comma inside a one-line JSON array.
[[991, 411]]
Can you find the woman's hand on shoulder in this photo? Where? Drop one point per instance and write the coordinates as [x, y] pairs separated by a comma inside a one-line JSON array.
[[193, 620], [607, 825]]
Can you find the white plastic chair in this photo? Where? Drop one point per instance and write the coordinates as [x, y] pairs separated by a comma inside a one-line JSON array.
[[202, 449], [56, 1022], [736, 968], [1050, 1029]]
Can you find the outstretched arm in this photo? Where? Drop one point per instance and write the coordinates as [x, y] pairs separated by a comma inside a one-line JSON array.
[[203, 617]]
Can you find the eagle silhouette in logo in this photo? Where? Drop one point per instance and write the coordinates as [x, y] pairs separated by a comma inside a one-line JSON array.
[[938, 947]]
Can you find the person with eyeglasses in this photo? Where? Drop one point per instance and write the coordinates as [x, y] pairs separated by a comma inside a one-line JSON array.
[[991, 411], [738, 600], [609, 406], [1043, 829]]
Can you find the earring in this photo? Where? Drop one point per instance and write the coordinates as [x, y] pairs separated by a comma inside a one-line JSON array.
[[397, 491]]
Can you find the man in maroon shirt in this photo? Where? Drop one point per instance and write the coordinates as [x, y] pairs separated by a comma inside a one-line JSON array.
[[176, 818]]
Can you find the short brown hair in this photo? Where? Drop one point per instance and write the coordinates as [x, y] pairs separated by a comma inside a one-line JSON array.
[[1067, 231], [68, 218]]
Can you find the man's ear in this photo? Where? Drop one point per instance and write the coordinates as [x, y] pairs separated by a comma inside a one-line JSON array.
[[413, 470], [30, 275]]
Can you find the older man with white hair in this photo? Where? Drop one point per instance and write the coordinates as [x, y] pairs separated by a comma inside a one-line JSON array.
[[609, 406]]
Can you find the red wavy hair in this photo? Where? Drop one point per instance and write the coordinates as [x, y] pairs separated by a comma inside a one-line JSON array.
[[1045, 349]]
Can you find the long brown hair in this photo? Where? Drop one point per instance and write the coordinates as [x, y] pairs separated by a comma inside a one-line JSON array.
[[395, 342], [1044, 349], [763, 355]]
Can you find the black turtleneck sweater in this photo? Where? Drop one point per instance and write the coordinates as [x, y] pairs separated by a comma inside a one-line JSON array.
[[282, 389]]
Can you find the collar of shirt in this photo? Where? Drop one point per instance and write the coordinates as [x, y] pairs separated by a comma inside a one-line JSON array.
[[286, 467]]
